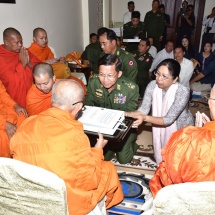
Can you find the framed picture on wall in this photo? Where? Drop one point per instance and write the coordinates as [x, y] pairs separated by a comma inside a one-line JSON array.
[[8, 1]]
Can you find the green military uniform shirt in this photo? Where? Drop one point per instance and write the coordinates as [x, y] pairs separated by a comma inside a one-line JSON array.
[[92, 53], [124, 97], [129, 65], [155, 26], [130, 32], [144, 62]]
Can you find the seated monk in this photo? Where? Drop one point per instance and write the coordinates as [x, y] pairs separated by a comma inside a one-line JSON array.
[[189, 154], [39, 96], [11, 116], [42, 51], [16, 65], [55, 141]]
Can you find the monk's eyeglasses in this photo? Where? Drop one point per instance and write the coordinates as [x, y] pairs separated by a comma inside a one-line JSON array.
[[208, 97], [83, 107]]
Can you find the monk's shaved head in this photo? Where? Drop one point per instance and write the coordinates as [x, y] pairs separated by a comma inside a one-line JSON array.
[[65, 93], [12, 40], [9, 32], [37, 30], [42, 69]]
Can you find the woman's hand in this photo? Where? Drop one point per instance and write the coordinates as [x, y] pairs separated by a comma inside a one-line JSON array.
[[139, 119]]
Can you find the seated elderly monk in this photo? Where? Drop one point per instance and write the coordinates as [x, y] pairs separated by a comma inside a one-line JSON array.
[[42, 51], [189, 154], [55, 141], [39, 96], [11, 116], [16, 65]]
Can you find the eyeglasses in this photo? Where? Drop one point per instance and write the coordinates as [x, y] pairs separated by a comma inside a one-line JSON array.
[[83, 107], [163, 77], [109, 77], [208, 97]]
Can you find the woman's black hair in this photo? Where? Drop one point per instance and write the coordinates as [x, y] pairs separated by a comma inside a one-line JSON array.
[[172, 65]]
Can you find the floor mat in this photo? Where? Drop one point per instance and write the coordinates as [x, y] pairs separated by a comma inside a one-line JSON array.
[[135, 187]]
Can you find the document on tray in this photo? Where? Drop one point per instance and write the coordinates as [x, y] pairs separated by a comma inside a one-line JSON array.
[[100, 119]]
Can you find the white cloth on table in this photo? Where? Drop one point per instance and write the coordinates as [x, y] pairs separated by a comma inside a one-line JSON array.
[[80, 76]]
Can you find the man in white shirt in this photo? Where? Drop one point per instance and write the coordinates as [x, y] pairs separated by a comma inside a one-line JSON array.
[[209, 30], [127, 15], [152, 49], [165, 53], [186, 66]]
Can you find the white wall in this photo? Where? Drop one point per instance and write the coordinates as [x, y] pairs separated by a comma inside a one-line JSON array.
[[62, 19], [119, 7]]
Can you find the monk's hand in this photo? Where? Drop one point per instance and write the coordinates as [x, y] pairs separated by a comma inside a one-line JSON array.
[[10, 129], [20, 110], [24, 57], [52, 61], [62, 59], [101, 142], [205, 118]]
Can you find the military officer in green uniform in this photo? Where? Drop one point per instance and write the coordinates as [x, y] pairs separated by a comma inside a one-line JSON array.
[[134, 30], [155, 24], [92, 54], [144, 62], [108, 43], [109, 89]]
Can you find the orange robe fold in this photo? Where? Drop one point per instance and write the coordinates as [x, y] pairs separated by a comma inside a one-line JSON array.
[[55, 141], [189, 156], [37, 101], [61, 70], [16, 79], [41, 53], [7, 114]]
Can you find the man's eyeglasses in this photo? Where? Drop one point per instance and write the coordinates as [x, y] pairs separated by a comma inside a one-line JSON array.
[[83, 107], [109, 77], [163, 77]]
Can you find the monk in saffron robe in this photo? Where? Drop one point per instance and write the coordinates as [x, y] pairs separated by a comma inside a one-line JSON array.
[[11, 116], [42, 51], [55, 141], [39, 96], [16, 65], [189, 154]]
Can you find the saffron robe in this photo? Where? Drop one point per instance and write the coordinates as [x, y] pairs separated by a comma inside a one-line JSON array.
[[16, 79], [55, 141], [187, 157], [7, 114], [61, 70], [37, 101]]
